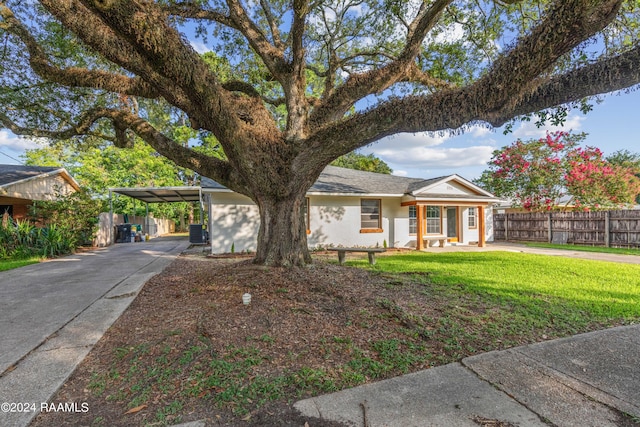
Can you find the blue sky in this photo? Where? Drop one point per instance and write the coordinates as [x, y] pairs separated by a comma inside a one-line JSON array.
[[613, 124]]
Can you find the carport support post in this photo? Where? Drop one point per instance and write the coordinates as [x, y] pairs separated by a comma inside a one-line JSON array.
[[481, 228], [419, 231], [146, 219], [110, 237]]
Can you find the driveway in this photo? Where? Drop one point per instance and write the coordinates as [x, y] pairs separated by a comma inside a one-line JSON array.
[[52, 313]]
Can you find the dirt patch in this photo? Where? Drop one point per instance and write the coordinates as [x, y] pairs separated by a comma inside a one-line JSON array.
[[189, 349]]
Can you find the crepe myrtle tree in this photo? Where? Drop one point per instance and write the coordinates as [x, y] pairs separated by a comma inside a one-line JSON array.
[[538, 173], [296, 84]]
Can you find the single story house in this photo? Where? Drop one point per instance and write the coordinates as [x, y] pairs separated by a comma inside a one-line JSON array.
[[21, 185], [346, 207]]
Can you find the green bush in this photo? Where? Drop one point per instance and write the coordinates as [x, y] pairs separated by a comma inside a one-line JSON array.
[[54, 228]]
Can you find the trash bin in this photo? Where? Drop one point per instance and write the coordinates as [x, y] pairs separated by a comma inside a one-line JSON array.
[[123, 233]]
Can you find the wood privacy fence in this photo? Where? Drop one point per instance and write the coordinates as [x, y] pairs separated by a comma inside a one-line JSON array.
[[152, 226], [604, 228]]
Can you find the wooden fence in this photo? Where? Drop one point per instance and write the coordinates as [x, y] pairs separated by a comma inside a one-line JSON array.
[[604, 228], [152, 226]]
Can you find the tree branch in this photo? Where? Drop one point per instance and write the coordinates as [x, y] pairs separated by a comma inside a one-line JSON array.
[[72, 76], [161, 57], [295, 86], [360, 85], [121, 120], [615, 73], [189, 10], [272, 57], [273, 26], [249, 90], [504, 92], [82, 127]]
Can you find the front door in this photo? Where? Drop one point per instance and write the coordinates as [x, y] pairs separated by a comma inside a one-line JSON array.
[[452, 224]]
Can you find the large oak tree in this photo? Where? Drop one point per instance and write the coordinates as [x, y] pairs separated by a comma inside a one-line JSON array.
[[298, 83]]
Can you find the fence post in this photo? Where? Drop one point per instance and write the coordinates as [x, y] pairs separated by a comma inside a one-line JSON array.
[[607, 231], [550, 230], [506, 226]]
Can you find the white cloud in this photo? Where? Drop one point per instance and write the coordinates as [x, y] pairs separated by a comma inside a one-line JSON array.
[[199, 47], [12, 142], [452, 34], [403, 141], [480, 132], [400, 173], [438, 158], [529, 130]]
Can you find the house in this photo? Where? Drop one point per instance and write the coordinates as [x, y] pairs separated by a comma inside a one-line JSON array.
[[346, 207], [20, 186]]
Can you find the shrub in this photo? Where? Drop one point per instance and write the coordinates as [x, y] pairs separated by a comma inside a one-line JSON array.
[[55, 227]]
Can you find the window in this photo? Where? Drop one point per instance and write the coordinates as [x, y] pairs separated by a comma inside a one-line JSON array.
[[413, 220], [473, 218], [434, 223], [370, 214]]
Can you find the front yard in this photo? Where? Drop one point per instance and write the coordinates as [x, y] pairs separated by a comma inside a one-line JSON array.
[[188, 349]]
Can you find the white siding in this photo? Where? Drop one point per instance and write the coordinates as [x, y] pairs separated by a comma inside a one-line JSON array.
[[336, 221], [235, 221], [41, 188], [452, 188], [333, 221]]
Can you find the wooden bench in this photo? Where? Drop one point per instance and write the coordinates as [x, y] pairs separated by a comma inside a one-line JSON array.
[[371, 252], [431, 239]]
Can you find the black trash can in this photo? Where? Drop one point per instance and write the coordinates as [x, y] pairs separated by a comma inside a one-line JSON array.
[[123, 233]]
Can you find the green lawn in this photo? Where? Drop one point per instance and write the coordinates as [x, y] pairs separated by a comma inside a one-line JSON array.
[[567, 286], [11, 264], [415, 311], [600, 249]]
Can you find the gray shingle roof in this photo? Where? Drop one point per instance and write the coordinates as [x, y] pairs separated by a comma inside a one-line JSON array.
[[341, 180], [349, 181], [14, 173]]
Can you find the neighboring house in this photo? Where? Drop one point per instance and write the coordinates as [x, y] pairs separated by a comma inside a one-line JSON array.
[[347, 207], [506, 206], [20, 186]]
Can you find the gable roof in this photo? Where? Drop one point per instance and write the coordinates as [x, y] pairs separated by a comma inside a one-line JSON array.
[[342, 181], [336, 180], [478, 191], [14, 174]]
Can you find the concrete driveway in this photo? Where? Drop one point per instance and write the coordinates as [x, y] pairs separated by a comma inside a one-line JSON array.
[[52, 313]]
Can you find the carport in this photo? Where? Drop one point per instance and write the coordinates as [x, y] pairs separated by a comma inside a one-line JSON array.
[[164, 195]]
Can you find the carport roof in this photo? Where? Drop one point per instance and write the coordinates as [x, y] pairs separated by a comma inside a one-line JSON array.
[[161, 194]]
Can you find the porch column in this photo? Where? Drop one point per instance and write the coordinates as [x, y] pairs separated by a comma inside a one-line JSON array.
[[419, 231], [481, 227]]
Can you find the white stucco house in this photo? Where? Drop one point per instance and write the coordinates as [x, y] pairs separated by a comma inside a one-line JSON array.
[[350, 208]]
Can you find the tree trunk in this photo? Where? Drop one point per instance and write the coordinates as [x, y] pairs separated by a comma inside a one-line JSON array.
[[282, 240]]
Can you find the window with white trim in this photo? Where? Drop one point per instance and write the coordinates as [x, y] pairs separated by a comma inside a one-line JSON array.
[[370, 214], [413, 220], [434, 220], [473, 217]]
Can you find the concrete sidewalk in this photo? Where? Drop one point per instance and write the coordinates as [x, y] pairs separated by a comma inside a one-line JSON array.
[[52, 314], [573, 381]]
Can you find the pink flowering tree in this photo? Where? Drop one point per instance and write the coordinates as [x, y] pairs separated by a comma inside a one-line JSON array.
[[554, 172]]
